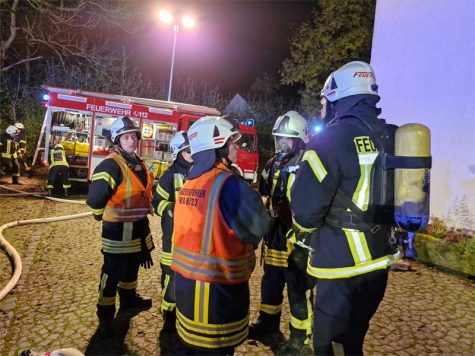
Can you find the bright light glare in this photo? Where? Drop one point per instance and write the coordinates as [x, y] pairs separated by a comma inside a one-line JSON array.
[[45, 97], [165, 16], [317, 128], [188, 21]]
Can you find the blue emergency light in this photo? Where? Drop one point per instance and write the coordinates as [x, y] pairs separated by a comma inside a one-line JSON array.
[[317, 128], [250, 122], [45, 97]]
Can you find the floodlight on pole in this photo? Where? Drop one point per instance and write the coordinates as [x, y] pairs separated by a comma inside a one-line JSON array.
[[187, 22]]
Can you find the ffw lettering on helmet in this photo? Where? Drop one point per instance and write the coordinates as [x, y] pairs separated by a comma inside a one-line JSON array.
[[363, 75], [192, 136]]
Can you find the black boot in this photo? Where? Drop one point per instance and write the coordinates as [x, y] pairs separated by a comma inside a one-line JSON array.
[[130, 299], [50, 192], [66, 192], [294, 347], [30, 173], [106, 320], [266, 325], [107, 327], [16, 180], [170, 321]]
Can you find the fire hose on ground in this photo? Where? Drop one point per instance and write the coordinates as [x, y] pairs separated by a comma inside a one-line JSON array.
[[10, 250]]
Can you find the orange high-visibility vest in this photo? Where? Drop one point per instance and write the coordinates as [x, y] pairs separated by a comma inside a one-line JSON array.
[[131, 201], [205, 248]]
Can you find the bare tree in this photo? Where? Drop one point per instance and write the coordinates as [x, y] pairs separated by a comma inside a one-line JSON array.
[[66, 30]]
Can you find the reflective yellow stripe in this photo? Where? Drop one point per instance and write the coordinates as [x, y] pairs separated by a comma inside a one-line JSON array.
[[275, 257], [104, 301], [177, 183], [94, 211], [316, 164], [127, 228], [211, 335], [274, 184], [161, 206], [290, 181], [106, 177], [345, 272], [306, 324], [301, 228], [201, 308], [162, 192], [129, 285], [358, 246], [270, 309], [164, 305], [166, 258], [338, 349]]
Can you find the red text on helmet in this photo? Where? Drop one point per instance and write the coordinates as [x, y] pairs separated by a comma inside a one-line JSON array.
[[363, 75]]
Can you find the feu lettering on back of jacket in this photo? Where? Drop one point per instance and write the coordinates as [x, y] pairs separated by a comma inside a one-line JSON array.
[[367, 153]]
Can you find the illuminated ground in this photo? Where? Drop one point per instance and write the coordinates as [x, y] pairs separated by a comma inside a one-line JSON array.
[[425, 312]]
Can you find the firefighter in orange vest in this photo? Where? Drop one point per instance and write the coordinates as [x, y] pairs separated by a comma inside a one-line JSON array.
[[219, 220], [163, 203], [120, 195]]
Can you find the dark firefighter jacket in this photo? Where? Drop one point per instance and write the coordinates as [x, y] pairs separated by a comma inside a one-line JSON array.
[[340, 156], [8, 146], [21, 139], [107, 181], [163, 202], [274, 183], [57, 157]]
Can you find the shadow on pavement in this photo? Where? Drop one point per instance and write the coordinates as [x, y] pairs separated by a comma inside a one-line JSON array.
[[166, 342], [100, 346]]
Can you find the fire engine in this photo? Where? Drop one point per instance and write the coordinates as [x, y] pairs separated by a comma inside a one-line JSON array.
[[80, 121]]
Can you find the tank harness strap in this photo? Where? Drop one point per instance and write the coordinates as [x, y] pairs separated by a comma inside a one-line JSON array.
[[356, 219]]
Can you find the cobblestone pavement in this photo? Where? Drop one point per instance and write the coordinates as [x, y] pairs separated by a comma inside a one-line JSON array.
[[424, 312]]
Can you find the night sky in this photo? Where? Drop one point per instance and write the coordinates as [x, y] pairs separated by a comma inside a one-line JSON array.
[[231, 44]]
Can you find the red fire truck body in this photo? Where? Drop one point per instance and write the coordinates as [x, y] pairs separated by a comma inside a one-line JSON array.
[[79, 119]]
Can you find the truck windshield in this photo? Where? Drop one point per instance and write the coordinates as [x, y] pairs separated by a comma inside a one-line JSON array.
[[246, 142]]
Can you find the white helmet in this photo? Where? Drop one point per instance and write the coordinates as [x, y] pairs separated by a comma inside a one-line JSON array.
[[292, 124], [178, 143], [121, 126], [352, 79], [59, 146], [20, 126], [211, 132], [12, 130]]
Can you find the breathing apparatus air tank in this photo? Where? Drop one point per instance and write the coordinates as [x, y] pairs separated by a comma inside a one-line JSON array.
[[412, 185]]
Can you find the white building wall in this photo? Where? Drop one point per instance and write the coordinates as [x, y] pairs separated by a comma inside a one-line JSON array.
[[423, 55]]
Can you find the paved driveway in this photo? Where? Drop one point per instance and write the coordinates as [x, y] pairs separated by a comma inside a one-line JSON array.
[[424, 312]]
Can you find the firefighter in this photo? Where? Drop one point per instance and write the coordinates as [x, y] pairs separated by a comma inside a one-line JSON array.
[[120, 195], [58, 165], [9, 154], [290, 135], [21, 140], [163, 203], [350, 260], [219, 219]]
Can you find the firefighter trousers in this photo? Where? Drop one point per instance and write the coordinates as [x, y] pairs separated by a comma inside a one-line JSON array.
[[167, 281], [343, 310], [10, 164], [53, 172], [300, 294], [118, 270]]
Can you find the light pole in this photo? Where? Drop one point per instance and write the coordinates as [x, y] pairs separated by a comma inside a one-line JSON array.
[[187, 22]]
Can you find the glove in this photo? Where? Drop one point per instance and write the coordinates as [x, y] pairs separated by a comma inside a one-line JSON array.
[[284, 213], [97, 217], [299, 258], [170, 209], [146, 258]]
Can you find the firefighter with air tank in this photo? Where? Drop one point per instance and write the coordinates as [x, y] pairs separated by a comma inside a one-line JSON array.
[[343, 196], [9, 154]]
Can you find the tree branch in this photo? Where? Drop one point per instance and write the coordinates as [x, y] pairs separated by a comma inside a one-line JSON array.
[[20, 62]]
